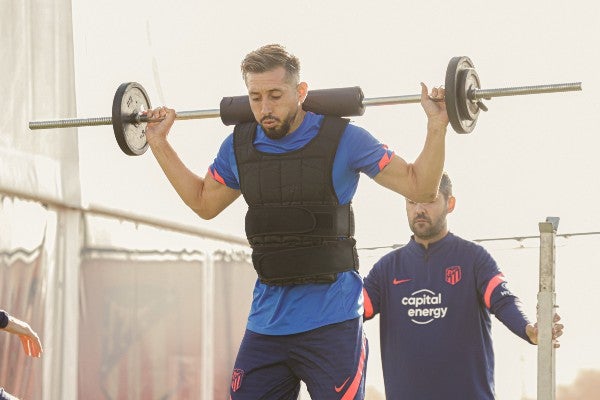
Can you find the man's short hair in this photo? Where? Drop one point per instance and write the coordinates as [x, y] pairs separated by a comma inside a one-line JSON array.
[[445, 186], [269, 57]]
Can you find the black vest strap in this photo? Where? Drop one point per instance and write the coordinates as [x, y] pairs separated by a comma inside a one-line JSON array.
[[316, 264], [331, 221]]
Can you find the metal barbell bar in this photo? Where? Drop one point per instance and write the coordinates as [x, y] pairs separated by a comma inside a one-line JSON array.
[[463, 101], [473, 95]]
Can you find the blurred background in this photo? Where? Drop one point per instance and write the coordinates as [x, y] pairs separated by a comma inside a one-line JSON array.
[[135, 297]]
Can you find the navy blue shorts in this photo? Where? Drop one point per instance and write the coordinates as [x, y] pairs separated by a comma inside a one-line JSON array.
[[330, 360]]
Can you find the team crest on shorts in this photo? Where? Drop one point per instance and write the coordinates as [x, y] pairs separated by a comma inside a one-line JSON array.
[[236, 379], [453, 275]]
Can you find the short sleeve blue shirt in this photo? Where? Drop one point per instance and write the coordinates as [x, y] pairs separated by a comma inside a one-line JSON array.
[[284, 310]]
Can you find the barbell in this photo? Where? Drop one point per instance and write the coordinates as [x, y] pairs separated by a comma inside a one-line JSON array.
[[463, 103]]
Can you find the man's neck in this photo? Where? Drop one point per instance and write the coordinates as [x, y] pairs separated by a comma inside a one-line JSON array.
[[297, 120], [425, 242]]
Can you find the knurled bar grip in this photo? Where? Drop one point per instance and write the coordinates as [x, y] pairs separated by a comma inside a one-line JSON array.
[[524, 90]]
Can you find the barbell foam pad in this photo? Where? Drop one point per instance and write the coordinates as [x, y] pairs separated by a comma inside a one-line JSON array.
[[341, 102]]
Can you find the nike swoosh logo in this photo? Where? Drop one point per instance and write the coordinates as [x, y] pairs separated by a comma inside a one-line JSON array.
[[399, 281], [339, 389]]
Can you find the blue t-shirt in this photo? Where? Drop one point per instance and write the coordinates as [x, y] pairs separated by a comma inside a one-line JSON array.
[[284, 310], [435, 326]]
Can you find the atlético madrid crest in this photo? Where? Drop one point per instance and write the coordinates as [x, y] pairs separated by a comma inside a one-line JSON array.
[[236, 379], [453, 275]]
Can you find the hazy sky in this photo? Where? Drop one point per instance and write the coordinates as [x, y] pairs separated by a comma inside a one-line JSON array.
[[529, 157]]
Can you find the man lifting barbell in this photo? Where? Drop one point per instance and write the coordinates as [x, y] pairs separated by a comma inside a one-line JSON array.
[[298, 169], [298, 172], [463, 96]]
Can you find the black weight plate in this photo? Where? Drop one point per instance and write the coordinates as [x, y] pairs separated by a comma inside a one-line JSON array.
[[130, 99], [455, 94]]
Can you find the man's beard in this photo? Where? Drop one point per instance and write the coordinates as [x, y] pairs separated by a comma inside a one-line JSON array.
[[280, 131], [430, 230]]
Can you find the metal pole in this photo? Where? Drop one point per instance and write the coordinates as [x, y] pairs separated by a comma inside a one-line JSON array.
[[546, 308], [127, 216]]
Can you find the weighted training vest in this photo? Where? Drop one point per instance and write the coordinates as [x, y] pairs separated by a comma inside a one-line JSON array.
[[298, 231]]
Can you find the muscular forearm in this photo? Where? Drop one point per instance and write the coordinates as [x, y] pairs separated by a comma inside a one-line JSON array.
[[17, 327], [205, 196], [429, 165], [188, 185], [418, 181], [29, 339]]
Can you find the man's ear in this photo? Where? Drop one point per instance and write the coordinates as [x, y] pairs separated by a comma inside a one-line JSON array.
[[302, 91], [451, 203]]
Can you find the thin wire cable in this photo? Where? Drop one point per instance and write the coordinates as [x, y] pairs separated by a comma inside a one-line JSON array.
[[516, 238]]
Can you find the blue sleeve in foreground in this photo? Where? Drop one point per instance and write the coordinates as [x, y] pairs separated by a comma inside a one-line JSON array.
[[509, 311], [365, 152], [224, 167]]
